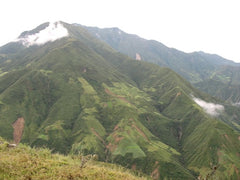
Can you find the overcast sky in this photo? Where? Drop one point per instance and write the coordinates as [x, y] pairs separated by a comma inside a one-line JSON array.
[[211, 26]]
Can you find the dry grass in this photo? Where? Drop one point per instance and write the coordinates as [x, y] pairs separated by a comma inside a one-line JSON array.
[[24, 162]]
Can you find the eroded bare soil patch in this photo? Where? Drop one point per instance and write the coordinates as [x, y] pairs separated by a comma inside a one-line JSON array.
[[18, 127]]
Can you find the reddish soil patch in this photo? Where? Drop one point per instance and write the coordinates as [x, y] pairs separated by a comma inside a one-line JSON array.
[[223, 145], [119, 97], [237, 171], [155, 174], [219, 153], [239, 138], [110, 92], [140, 131], [98, 136], [178, 94], [134, 167], [148, 119], [117, 139], [115, 128], [226, 136], [18, 127], [111, 147]]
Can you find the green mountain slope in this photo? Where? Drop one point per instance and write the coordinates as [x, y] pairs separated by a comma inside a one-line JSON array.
[[77, 95], [197, 67], [223, 84]]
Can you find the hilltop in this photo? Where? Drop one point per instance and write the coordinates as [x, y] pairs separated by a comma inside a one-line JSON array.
[[23, 162]]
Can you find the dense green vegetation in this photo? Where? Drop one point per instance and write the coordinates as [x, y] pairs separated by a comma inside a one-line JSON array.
[[207, 72], [79, 96], [223, 84]]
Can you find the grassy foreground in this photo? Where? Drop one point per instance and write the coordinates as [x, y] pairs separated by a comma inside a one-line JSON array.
[[24, 162]]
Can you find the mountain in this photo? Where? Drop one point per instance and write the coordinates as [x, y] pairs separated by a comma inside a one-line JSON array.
[[77, 95], [199, 68]]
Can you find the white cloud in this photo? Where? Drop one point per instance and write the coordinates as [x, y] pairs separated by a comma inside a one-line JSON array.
[[51, 33], [209, 108], [236, 104]]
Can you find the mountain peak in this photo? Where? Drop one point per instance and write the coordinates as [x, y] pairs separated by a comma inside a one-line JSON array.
[[48, 32]]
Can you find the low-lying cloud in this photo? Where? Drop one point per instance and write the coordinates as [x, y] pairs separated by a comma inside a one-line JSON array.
[[209, 108], [237, 104], [51, 33]]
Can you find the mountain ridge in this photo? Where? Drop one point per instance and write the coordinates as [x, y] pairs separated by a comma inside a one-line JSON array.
[[196, 67], [78, 95]]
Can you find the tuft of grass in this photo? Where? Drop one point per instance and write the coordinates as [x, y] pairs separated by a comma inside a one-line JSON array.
[[24, 162]]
